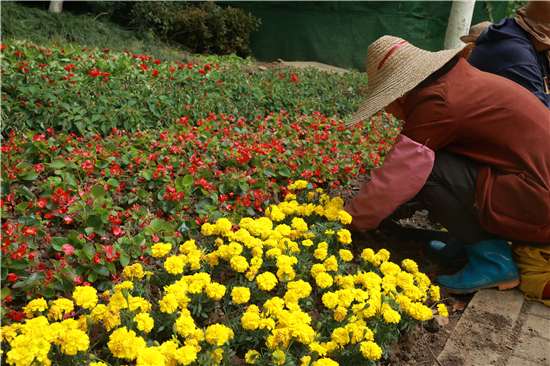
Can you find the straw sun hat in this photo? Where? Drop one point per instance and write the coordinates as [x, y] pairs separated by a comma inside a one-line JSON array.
[[475, 32], [395, 67]]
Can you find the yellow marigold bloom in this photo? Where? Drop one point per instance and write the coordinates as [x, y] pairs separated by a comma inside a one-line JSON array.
[[371, 350], [316, 269], [111, 319], [275, 214], [85, 296], [239, 263], [405, 280], [218, 334], [74, 340], [215, 290], [9, 332], [419, 311], [151, 356], [390, 315], [344, 217], [325, 362], [168, 304], [251, 356], [306, 360], [409, 265], [344, 236], [233, 250], [434, 293], [331, 264], [268, 323], [331, 212], [145, 322], [340, 313], [34, 306], [345, 254], [324, 280], [310, 196], [98, 313], [186, 355], [224, 225], [27, 350], [175, 264], [97, 364], [159, 250], [266, 281], [320, 254], [299, 184], [442, 310], [126, 285], [422, 281], [302, 288], [139, 303], [59, 307], [330, 300], [299, 224], [279, 357], [125, 344], [186, 325], [250, 321], [208, 229], [340, 336], [307, 243], [135, 270], [118, 301], [290, 197], [318, 348], [240, 295]]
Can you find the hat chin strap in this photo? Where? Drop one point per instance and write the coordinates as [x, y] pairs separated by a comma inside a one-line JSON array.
[[389, 53]]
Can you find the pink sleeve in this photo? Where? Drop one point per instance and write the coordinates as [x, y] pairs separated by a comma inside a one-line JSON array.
[[402, 175]]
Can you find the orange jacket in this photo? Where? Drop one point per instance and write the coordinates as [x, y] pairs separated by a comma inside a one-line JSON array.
[[496, 122]]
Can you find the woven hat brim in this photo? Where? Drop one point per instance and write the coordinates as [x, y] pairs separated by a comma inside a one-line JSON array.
[[402, 81], [468, 38]]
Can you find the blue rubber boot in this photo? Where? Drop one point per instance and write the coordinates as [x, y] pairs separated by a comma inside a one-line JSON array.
[[490, 265], [453, 251]]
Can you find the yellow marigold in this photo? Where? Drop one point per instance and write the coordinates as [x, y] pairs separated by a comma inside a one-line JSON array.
[[320, 254], [442, 310], [224, 225], [111, 319], [239, 263], [279, 357], [59, 307], [125, 344], [344, 236], [150, 356], [434, 293], [371, 350], [419, 311], [250, 321], [186, 325], [330, 300], [74, 340], [251, 356], [290, 197], [208, 229], [305, 361], [240, 295], [118, 301], [144, 322], [316, 269], [168, 304], [85, 296], [340, 336], [324, 280], [325, 362], [299, 224], [344, 217], [275, 214], [215, 290], [266, 281], [186, 355], [346, 255], [390, 315], [126, 285], [97, 364], [34, 306], [307, 243], [340, 313], [218, 334], [331, 264], [135, 270], [175, 264], [159, 250], [298, 185], [139, 303], [318, 348], [409, 265]]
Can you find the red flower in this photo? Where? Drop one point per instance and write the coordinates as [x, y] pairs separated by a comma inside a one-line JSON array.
[[202, 71], [18, 53], [38, 105], [67, 219], [117, 231], [68, 249], [12, 277], [42, 202], [22, 102], [3, 47], [94, 72], [30, 231], [96, 258], [42, 65], [77, 280], [158, 62], [155, 73], [69, 67], [107, 50]]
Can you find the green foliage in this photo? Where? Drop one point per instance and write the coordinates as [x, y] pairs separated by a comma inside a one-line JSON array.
[[95, 90], [513, 6], [204, 28], [43, 28]]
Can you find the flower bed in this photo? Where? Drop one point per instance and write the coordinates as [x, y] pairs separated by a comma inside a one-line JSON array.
[[281, 289]]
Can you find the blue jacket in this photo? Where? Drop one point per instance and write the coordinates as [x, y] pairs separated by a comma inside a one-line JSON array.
[[505, 49]]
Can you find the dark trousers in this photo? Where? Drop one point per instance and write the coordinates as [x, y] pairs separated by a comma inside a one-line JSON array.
[[450, 196]]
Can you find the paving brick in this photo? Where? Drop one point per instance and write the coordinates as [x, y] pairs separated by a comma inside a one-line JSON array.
[[533, 348], [505, 303], [516, 361], [539, 309], [537, 327]]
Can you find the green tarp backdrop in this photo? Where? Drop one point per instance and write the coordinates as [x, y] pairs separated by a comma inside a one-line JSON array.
[[339, 32]]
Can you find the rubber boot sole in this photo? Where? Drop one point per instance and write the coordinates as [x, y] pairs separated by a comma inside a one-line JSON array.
[[501, 286]]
